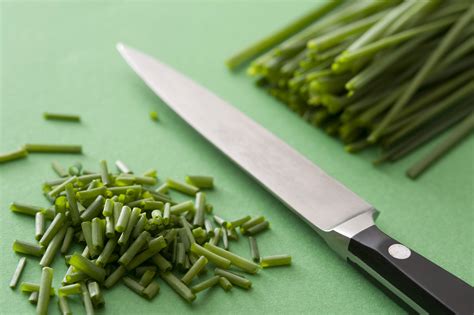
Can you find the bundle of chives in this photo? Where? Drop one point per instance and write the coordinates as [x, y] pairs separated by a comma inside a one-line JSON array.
[[130, 231], [360, 71]]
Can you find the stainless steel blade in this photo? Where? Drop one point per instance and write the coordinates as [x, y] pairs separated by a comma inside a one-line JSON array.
[[316, 197]]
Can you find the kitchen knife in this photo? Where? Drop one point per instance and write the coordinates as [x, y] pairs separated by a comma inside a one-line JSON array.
[[342, 218]]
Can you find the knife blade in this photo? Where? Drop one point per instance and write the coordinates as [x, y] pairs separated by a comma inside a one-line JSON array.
[[341, 217]]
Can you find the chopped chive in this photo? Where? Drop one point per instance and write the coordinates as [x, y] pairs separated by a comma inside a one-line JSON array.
[[199, 234], [133, 285], [151, 290], [61, 187], [152, 204], [134, 248], [123, 189], [104, 172], [24, 208], [178, 286], [97, 234], [13, 155], [17, 273], [29, 287], [214, 258], [53, 148], [40, 224], [258, 228], [140, 271], [234, 279], [276, 260], [162, 189], [147, 278], [154, 246], [44, 291], [86, 266], [59, 169], [65, 117], [163, 264], [462, 130], [154, 116], [108, 208], [87, 233], [209, 283], [199, 205], [70, 289], [27, 248], [132, 221], [236, 223], [225, 284], [182, 207], [225, 239], [254, 249], [187, 229], [209, 227], [209, 208], [238, 261], [64, 306], [75, 169], [96, 294], [86, 299], [33, 299], [201, 182], [140, 226], [182, 187], [217, 236], [92, 192], [73, 204], [251, 223], [115, 276], [122, 221], [106, 252], [196, 268], [53, 247], [122, 167], [117, 210], [67, 241]]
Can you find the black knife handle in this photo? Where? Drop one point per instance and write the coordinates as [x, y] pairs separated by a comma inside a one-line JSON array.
[[429, 286]]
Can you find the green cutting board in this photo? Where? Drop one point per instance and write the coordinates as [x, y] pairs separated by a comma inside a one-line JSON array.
[[61, 56]]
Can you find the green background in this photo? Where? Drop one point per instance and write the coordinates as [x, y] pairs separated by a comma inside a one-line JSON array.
[[60, 56]]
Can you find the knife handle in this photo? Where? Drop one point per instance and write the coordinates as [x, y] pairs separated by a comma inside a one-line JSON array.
[[421, 284]]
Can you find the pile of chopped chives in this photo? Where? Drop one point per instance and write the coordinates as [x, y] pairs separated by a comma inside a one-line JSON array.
[[133, 232], [393, 74]]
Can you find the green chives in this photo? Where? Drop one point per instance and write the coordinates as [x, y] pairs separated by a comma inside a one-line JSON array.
[[133, 285], [97, 234], [104, 172], [96, 294], [258, 228], [196, 268], [182, 207], [86, 266], [214, 258], [163, 264], [70, 289], [199, 205], [86, 299], [151, 290], [53, 148], [254, 249], [276, 260], [106, 252], [29, 287], [53, 247], [217, 236], [178, 286], [87, 234], [33, 299], [236, 260], [28, 248], [225, 284], [237, 223], [44, 291], [250, 223], [13, 155], [115, 276], [225, 240], [67, 241], [61, 187], [18, 271], [154, 116], [209, 283], [182, 187], [201, 182], [122, 221], [134, 248], [131, 224], [40, 224], [65, 117], [24, 208], [234, 279], [53, 228], [122, 167], [147, 278], [59, 169]]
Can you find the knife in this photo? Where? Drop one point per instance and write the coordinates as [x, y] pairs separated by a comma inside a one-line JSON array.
[[343, 219]]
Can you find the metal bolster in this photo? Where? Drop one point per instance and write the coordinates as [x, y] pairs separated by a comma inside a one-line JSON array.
[[339, 237]]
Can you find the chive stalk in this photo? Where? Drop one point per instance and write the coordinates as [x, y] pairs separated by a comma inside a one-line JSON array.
[[64, 306], [196, 268], [18, 271], [209, 283], [234, 279], [178, 286], [27, 248], [64, 117], [44, 291], [238, 261], [13, 155], [53, 148]]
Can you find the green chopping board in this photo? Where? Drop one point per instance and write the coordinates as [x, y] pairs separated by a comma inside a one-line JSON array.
[[60, 56]]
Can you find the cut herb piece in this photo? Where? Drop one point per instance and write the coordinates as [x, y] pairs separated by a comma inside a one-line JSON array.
[[70, 289], [86, 299], [14, 155], [18, 271], [44, 291], [154, 116], [258, 228], [24, 208], [52, 148], [276, 260], [151, 290], [225, 284], [64, 306], [196, 268], [254, 249], [199, 181], [27, 248], [182, 187], [178, 286], [65, 117], [235, 259], [59, 169], [234, 279], [86, 266], [40, 225], [33, 299], [214, 258], [209, 283], [95, 294]]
